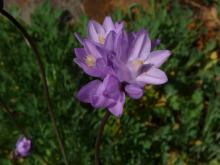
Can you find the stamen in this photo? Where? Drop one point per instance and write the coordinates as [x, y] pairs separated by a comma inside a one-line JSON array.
[[90, 60], [136, 64], [101, 39]]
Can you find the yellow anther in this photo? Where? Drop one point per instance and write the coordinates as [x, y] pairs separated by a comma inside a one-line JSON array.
[[101, 39], [90, 61], [214, 55], [136, 64]]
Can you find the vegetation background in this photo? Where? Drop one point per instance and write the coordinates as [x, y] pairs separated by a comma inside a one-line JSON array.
[[174, 124]]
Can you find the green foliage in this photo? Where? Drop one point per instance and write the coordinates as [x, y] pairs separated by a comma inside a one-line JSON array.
[[177, 123]]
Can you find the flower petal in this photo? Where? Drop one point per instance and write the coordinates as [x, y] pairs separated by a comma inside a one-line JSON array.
[[108, 24], [117, 109], [109, 41], [142, 46], [157, 58], [152, 76], [80, 53], [122, 46], [86, 93], [101, 99], [78, 37], [112, 88], [155, 43], [134, 91], [91, 49], [137, 45], [92, 33]]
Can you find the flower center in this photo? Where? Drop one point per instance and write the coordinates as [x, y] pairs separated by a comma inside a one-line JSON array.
[[90, 61], [136, 64], [101, 39]]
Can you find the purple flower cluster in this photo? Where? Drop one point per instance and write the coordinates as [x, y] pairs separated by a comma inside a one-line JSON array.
[[123, 63]]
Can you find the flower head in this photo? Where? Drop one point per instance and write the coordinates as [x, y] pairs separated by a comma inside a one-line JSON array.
[[124, 62], [23, 147], [98, 32]]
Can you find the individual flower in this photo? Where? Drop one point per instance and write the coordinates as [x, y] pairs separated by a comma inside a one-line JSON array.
[[136, 63], [97, 32], [126, 63], [92, 59], [106, 94], [23, 147]]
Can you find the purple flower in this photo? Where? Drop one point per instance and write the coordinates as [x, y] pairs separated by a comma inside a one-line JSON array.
[[125, 63], [97, 32], [138, 62], [23, 147], [106, 94]]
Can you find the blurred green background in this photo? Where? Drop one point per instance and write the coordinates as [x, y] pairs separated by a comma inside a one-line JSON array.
[[174, 124]]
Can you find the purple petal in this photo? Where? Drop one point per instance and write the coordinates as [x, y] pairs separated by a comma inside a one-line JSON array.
[[108, 24], [80, 53], [117, 109], [78, 37], [145, 50], [122, 71], [152, 76], [157, 58], [92, 33], [137, 45], [88, 91], [97, 71], [142, 46], [101, 99], [155, 43], [134, 91], [122, 46], [112, 89], [110, 41], [91, 49], [119, 26]]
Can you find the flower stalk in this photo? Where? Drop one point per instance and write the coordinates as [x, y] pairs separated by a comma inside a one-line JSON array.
[[43, 78], [99, 137]]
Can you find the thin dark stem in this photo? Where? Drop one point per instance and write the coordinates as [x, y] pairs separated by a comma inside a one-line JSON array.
[[43, 78], [99, 137], [1, 4]]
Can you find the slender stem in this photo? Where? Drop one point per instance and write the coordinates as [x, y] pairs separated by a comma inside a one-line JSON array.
[[43, 78], [1, 4], [99, 137]]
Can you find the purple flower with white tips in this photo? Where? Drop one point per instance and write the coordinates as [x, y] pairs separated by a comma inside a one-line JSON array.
[[125, 63], [23, 147]]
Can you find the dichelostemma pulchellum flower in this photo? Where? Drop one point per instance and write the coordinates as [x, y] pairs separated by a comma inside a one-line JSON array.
[[123, 63], [23, 147]]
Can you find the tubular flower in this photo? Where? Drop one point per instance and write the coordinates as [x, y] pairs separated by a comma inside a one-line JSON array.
[[124, 64]]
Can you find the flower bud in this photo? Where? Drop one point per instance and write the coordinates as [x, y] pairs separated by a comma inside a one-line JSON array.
[[23, 147]]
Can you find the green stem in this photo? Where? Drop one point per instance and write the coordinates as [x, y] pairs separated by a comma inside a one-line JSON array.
[[43, 78]]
